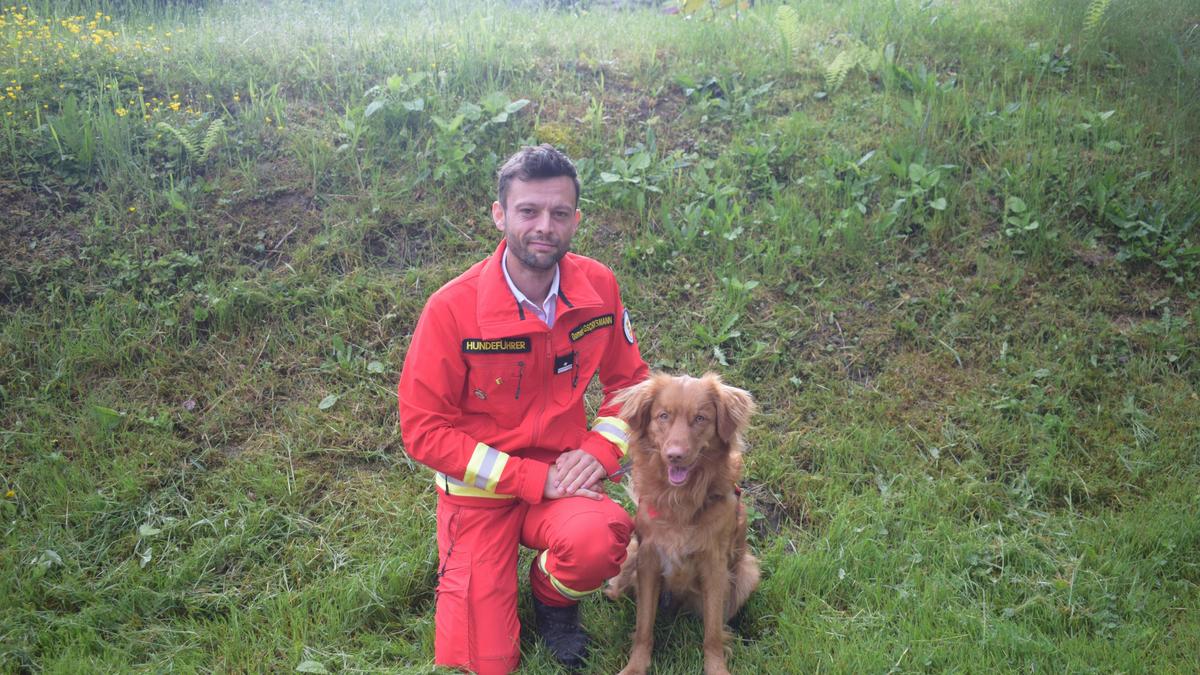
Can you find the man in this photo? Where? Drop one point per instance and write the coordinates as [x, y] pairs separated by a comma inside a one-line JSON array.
[[491, 399]]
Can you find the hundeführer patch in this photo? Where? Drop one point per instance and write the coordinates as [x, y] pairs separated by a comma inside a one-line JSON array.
[[508, 345]]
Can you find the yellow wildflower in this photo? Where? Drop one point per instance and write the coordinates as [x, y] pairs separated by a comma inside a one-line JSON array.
[[10, 494], [121, 112]]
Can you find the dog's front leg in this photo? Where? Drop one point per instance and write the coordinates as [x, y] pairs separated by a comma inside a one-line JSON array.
[[714, 587], [649, 584]]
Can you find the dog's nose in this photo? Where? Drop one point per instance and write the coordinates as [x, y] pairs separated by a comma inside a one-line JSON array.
[[676, 453]]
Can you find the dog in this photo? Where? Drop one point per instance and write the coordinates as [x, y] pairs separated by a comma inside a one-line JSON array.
[[690, 529]]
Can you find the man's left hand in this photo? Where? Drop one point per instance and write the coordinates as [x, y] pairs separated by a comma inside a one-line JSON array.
[[578, 469]]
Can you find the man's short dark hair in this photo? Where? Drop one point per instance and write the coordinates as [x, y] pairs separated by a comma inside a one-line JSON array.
[[535, 162]]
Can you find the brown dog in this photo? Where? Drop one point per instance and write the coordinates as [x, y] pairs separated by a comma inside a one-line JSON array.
[[690, 529]]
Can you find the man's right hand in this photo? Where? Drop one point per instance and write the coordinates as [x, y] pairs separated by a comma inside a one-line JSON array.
[[550, 491]]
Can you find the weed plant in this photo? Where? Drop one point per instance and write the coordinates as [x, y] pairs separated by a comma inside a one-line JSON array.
[[952, 249]]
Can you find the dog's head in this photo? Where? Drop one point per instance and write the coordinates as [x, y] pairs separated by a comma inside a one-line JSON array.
[[683, 418]]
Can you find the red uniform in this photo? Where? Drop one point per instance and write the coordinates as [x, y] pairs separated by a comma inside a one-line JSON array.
[[489, 397]]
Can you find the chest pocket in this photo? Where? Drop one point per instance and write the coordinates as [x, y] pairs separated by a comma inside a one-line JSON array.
[[572, 383], [497, 386]]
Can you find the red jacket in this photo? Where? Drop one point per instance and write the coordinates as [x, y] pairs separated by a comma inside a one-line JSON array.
[[489, 395]]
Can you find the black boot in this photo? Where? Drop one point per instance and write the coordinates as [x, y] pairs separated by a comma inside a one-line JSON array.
[[560, 630]]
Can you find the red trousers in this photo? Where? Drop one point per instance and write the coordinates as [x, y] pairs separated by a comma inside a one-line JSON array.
[[580, 543]]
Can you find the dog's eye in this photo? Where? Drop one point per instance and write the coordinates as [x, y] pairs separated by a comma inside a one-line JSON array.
[[701, 419], [663, 416]]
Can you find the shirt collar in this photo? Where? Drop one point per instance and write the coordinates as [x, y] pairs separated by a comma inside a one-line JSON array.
[[523, 299]]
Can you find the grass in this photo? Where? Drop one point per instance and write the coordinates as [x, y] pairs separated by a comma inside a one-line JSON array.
[[960, 278]]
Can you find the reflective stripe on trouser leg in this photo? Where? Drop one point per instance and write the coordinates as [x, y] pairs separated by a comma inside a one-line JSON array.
[[569, 593], [580, 542], [476, 626]]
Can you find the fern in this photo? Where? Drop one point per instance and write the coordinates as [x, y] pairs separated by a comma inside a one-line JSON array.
[[1094, 17], [182, 135], [196, 146], [836, 72], [788, 23], [212, 138]]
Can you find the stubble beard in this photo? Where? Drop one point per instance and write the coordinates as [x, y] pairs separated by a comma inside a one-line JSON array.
[[538, 261]]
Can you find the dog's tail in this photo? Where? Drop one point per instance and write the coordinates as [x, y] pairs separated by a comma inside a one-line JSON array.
[[743, 579]]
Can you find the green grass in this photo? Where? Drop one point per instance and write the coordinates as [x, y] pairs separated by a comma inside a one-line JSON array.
[[961, 284]]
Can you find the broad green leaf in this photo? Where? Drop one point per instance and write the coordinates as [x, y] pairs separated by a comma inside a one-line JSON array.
[[516, 105], [938, 204], [327, 402], [415, 105], [311, 667], [609, 177], [1015, 205], [916, 172], [147, 530], [375, 367], [373, 108], [108, 418]]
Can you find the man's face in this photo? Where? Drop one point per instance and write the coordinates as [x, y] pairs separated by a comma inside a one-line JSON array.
[[538, 222]]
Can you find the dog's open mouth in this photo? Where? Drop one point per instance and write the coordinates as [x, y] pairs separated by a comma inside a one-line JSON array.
[[678, 474]]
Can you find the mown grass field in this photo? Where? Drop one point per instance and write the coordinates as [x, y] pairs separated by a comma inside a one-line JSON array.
[[952, 248]]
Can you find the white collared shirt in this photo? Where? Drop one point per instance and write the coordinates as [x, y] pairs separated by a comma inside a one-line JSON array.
[[549, 305]]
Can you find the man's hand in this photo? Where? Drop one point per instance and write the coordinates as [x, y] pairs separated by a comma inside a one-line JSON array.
[[578, 470], [557, 484]]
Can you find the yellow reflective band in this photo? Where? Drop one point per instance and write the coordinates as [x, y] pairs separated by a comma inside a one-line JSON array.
[[485, 467], [558, 585], [459, 489], [614, 429]]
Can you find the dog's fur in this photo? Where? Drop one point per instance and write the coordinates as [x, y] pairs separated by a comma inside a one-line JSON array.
[[690, 529]]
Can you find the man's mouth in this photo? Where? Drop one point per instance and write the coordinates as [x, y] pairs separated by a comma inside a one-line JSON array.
[[678, 475]]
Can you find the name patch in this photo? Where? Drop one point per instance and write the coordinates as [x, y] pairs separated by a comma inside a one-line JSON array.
[[590, 325], [509, 345]]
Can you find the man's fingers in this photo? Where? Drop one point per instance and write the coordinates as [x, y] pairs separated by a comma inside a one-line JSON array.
[[584, 492]]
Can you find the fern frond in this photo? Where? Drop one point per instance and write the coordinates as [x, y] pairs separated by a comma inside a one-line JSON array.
[[835, 72], [788, 23], [212, 138], [1094, 17], [182, 135]]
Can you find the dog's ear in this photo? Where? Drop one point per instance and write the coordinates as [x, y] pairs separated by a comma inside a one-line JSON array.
[[635, 402], [734, 408]]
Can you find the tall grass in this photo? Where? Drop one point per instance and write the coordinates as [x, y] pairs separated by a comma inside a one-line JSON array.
[[961, 283]]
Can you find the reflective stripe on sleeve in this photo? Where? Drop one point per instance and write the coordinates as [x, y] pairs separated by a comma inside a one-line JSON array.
[[614, 429], [458, 488], [558, 585], [485, 467]]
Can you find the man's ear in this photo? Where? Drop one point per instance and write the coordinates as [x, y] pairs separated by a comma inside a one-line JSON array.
[[734, 408], [637, 400], [498, 215]]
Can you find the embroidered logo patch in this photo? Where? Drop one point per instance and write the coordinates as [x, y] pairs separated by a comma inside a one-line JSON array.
[[509, 345], [590, 325], [628, 326]]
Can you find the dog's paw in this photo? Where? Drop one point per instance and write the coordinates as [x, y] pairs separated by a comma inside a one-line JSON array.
[[639, 662], [715, 669]]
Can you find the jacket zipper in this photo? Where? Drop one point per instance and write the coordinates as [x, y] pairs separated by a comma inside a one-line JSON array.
[[547, 388]]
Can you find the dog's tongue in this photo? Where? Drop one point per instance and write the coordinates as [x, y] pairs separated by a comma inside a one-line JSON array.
[[677, 475]]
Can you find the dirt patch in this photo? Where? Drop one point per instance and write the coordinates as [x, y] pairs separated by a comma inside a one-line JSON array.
[[37, 241]]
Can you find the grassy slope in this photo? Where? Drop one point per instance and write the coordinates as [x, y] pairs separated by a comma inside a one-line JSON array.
[[977, 450]]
